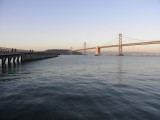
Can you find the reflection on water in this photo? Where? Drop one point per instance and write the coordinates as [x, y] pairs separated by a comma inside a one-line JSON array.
[[10, 72], [10, 69], [120, 71], [82, 88]]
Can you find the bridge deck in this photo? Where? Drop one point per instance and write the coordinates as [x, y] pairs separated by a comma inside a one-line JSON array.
[[9, 55], [128, 44]]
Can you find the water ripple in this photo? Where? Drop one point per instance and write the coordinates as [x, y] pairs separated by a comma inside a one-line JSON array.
[[82, 88]]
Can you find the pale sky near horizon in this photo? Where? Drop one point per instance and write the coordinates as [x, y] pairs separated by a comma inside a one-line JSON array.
[[49, 24]]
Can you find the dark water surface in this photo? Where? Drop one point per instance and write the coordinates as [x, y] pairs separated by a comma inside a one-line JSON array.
[[82, 88]]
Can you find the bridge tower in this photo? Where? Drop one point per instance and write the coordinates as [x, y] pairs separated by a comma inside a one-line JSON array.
[[70, 50], [84, 48], [98, 51], [120, 45]]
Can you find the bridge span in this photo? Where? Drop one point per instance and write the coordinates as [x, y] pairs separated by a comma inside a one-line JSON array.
[[120, 46]]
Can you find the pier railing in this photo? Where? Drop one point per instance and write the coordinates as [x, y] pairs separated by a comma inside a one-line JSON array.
[[4, 50]]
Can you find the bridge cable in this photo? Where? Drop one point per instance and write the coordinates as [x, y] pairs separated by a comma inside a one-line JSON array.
[[133, 38]]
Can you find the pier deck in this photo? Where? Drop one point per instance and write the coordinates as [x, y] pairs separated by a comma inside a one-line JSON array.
[[16, 57]]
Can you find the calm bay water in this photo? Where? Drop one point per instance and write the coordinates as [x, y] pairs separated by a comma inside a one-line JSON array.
[[82, 88]]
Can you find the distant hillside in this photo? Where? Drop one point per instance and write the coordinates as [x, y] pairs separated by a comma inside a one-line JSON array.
[[62, 52]]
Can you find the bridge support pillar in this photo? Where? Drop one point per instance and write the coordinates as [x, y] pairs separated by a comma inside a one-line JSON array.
[[70, 50], [98, 51], [14, 60], [18, 59], [3, 61], [85, 48], [9, 60]]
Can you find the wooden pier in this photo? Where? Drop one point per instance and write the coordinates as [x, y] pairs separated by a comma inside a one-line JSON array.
[[12, 56]]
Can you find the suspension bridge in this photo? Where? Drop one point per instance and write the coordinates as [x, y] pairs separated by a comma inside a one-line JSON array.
[[120, 46]]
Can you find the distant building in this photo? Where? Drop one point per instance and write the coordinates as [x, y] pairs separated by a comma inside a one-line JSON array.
[[63, 52]]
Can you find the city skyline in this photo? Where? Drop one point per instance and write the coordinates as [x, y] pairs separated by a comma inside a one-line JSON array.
[[42, 25]]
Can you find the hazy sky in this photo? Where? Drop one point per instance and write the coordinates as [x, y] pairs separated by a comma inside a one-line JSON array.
[[43, 24]]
